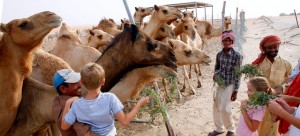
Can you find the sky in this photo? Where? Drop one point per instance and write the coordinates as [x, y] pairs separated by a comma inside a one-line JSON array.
[[87, 12]]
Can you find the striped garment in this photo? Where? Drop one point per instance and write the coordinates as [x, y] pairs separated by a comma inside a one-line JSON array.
[[225, 66]]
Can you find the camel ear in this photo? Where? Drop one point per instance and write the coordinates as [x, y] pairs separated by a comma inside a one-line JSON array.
[[136, 9], [4, 28], [171, 44], [134, 33], [122, 20], [92, 32], [156, 7], [195, 19]]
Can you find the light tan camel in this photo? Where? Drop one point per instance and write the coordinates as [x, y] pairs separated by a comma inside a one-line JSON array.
[[218, 31], [45, 65], [21, 37], [99, 39], [186, 29], [69, 48], [189, 14], [123, 22], [109, 26], [160, 16], [204, 29], [165, 31], [139, 15]]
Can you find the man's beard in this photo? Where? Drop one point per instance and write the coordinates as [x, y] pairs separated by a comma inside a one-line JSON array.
[[272, 54]]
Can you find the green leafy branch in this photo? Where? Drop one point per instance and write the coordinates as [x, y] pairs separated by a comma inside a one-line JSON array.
[[249, 70]]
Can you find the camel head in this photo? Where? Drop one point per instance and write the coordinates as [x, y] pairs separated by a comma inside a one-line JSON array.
[[141, 12], [165, 31], [227, 20], [188, 14], [100, 38], [148, 51], [30, 31], [188, 55], [123, 22], [109, 26], [66, 32], [167, 14], [186, 26]]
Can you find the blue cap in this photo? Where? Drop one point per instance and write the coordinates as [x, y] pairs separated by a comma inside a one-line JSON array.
[[65, 76]]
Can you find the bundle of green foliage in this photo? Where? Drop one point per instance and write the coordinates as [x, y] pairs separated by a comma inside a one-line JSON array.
[[248, 70]]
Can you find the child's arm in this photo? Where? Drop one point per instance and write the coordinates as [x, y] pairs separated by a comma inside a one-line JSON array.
[[275, 108], [64, 125], [289, 98], [251, 124], [125, 119]]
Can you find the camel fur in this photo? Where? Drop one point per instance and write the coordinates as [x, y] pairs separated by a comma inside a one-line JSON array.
[[109, 26], [69, 48], [99, 39], [21, 37], [160, 16], [139, 15]]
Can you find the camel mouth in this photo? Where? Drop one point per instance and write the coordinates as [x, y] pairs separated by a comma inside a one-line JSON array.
[[172, 65], [55, 23], [206, 63]]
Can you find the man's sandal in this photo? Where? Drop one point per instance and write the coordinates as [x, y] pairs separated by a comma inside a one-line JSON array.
[[215, 133]]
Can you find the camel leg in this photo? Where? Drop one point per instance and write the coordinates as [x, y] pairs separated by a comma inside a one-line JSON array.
[[55, 130], [190, 72], [200, 74], [185, 77], [165, 83], [189, 83], [197, 69], [44, 131]]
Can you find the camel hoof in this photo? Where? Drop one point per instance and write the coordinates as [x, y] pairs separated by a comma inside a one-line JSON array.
[[199, 85], [182, 90], [190, 76], [200, 74], [193, 92], [179, 96]]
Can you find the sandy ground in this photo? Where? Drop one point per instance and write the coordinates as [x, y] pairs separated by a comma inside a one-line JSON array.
[[192, 115]]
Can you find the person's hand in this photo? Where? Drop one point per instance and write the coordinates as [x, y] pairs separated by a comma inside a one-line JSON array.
[[71, 100], [214, 77], [233, 95], [144, 100], [285, 106], [288, 80], [243, 105], [286, 98], [274, 107], [278, 90]]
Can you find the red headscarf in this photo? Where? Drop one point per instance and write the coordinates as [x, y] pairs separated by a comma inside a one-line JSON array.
[[292, 90], [267, 41], [230, 35]]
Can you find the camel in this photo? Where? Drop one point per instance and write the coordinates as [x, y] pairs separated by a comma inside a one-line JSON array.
[[45, 65], [204, 29], [20, 38], [217, 32], [165, 31], [129, 50], [139, 15], [160, 16], [99, 39], [123, 22], [133, 49], [69, 48], [109, 26], [189, 14], [185, 28]]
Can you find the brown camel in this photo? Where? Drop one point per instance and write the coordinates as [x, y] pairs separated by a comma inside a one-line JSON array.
[[133, 49], [109, 26], [21, 37], [99, 39], [139, 15], [160, 16], [69, 48], [123, 22]]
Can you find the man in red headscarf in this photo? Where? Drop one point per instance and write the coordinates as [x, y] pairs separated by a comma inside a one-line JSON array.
[[276, 70], [226, 61]]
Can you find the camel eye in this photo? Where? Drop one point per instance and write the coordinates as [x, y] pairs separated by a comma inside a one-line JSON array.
[[23, 24], [143, 10], [184, 14], [165, 11], [186, 27], [100, 36], [162, 29]]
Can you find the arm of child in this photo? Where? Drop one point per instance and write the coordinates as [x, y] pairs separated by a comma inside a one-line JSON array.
[[275, 108], [289, 98], [64, 125], [251, 124], [125, 119]]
